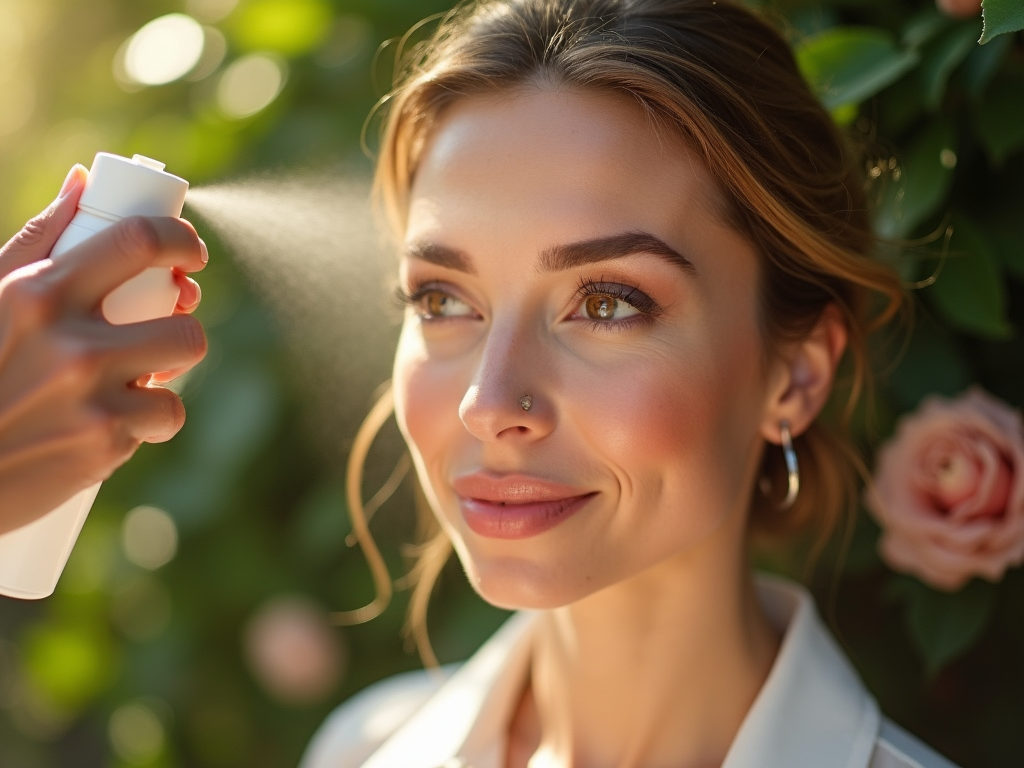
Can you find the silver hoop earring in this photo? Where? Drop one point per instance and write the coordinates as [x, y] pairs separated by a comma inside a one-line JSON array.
[[792, 468], [526, 402]]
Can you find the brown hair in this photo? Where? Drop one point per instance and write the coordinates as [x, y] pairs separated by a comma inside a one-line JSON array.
[[728, 83]]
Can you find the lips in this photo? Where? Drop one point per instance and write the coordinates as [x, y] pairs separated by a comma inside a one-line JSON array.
[[516, 506]]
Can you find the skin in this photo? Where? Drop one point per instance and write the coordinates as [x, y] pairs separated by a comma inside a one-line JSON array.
[[663, 415], [75, 400]]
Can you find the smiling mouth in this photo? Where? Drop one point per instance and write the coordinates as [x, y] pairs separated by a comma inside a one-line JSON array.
[[506, 520], [516, 506]]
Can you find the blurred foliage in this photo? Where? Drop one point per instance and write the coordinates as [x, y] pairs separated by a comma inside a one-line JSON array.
[[940, 119], [128, 666]]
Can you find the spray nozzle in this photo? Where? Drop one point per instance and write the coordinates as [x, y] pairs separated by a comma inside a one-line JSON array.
[[148, 162]]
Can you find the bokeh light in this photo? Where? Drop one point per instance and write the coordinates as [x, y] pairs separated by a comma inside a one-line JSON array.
[[136, 733], [293, 651], [250, 84], [67, 664], [215, 48], [164, 50], [149, 537], [210, 11], [287, 27]]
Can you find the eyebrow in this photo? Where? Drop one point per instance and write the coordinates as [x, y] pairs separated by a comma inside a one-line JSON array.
[[441, 255], [564, 256]]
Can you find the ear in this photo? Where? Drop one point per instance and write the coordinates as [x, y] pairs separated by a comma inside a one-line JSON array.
[[802, 380]]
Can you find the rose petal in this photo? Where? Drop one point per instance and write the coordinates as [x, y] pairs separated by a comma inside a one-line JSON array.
[[948, 490], [993, 491], [950, 474], [905, 558]]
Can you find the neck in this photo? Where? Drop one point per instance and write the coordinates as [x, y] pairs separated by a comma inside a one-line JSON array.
[[658, 670]]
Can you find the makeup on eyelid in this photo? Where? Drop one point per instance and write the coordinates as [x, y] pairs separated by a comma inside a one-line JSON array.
[[595, 300]]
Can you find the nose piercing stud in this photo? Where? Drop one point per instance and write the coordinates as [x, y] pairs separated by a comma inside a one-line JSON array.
[[526, 402]]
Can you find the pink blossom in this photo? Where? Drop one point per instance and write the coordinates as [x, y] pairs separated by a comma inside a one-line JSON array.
[[948, 491]]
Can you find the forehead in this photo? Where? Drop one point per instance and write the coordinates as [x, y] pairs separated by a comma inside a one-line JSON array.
[[559, 155]]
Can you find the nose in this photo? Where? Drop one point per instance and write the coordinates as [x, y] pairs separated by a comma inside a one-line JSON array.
[[507, 398]]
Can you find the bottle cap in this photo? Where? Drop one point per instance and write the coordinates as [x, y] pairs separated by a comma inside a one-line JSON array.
[[121, 187]]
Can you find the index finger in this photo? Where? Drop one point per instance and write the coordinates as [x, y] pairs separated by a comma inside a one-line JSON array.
[[91, 270]]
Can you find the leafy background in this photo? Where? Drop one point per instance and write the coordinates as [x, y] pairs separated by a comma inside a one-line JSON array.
[[135, 661]]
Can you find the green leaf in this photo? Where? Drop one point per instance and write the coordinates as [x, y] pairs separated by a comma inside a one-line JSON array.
[[999, 118], [919, 183], [1001, 16], [968, 292], [943, 56], [944, 625], [846, 65]]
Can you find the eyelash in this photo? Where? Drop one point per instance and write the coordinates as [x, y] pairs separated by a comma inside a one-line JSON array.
[[647, 308], [410, 298], [413, 297]]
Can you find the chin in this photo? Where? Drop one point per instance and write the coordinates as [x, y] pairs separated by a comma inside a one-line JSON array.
[[515, 585]]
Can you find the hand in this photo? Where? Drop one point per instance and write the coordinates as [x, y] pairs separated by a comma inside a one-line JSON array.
[[74, 404]]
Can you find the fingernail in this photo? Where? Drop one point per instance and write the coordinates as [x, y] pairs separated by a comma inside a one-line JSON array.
[[70, 182], [204, 253]]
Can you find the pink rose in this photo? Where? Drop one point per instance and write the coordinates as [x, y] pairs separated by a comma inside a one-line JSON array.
[[949, 491]]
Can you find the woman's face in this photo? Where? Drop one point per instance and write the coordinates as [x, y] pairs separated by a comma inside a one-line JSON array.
[[561, 247]]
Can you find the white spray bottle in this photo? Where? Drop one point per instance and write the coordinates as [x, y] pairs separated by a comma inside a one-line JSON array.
[[33, 556]]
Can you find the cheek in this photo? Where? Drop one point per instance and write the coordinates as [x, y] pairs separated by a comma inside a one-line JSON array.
[[413, 387], [683, 425], [665, 416], [427, 397]]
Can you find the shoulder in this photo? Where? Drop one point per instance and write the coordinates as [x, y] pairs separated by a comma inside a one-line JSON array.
[[896, 748], [353, 731]]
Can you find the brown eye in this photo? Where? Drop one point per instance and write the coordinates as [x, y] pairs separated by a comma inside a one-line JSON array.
[[441, 304], [603, 307]]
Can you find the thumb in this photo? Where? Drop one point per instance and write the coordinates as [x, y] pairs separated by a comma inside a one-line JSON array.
[[38, 236]]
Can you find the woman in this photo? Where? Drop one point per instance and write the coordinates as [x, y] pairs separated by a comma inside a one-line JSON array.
[[634, 251]]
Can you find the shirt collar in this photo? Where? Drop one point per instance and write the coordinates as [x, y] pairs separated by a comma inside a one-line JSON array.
[[812, 710]]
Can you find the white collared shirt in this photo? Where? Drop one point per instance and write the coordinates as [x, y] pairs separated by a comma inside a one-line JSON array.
[[812, 711]]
